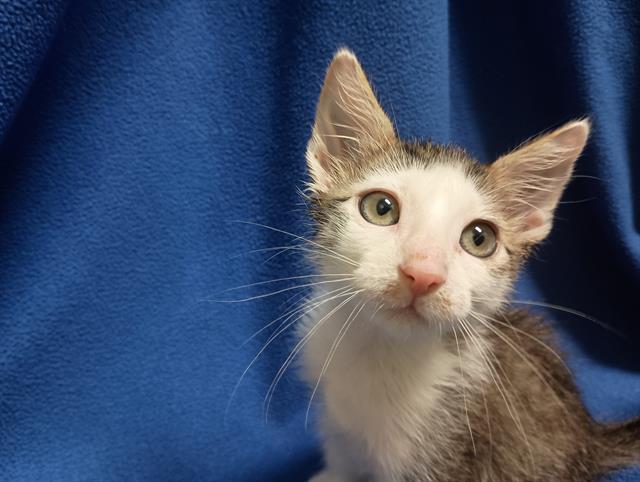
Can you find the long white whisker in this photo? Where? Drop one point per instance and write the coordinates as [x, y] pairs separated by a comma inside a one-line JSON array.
[[318, 301], [289, 313], [521, 354], [279, 280], [498, 366], [334, 348], [269, 341], [301, 238], [571, 311], [380, 306], [304, 249], [297, 348], [464, 390], [552, 306], [496, 379], [283, 290], [528, 335]]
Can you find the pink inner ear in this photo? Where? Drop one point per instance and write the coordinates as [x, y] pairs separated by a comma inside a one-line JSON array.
[[534, 219]]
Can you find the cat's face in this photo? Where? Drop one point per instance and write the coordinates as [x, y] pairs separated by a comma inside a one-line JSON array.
[[429, 234], [425, 240]]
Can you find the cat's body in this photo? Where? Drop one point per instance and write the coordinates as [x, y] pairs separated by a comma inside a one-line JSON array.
[[417, 413], [422, 370]]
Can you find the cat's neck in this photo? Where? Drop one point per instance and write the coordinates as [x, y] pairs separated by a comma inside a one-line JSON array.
[[368, 378], [359, 336]]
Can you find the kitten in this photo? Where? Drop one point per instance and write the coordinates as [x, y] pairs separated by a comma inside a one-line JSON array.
[[423, 371]]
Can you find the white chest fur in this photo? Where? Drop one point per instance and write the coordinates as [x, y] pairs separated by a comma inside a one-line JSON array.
[[381, 395]]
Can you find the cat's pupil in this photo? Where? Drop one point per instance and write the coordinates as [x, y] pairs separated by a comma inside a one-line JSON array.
[[478, 236], [383, 206]]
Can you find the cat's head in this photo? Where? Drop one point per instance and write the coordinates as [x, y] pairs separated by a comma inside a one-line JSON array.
[[423, 228]]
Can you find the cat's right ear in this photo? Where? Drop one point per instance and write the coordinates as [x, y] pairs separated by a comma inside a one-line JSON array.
[[529, 180], [349, 121]]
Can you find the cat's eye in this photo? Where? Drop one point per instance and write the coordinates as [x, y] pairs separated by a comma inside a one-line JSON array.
[[380, 208], [479, 239]]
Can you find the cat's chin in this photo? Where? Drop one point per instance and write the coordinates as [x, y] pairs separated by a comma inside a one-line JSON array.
[[411, 315], [407, 324], [408, 314]]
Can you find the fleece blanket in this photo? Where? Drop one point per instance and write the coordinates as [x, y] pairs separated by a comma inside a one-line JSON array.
[[136, 135]]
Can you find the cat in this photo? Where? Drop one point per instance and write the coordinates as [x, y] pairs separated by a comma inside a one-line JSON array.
[[422, 370]]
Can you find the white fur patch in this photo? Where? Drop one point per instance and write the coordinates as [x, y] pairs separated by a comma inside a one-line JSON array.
[[384, 382], [378, 392]]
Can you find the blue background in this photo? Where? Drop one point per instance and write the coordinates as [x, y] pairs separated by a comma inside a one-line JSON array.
[[135, 133]]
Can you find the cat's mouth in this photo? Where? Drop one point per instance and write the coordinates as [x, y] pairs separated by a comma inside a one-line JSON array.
[[401, 306]]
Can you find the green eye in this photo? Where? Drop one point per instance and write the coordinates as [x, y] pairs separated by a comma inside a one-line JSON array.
[[479, 239], [380, 208]]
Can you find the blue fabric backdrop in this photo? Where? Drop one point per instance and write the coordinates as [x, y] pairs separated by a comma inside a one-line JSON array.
[[135, 133]]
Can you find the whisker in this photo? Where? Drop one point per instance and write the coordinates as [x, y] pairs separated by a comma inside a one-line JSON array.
[[579, 201], [301, 238], [528, 335], [561, 308], [464, 390], [282, 251], [380, 306], [268, 342], [297, 349], [304, 249], [521, 354], [283, 290], [334, 348], [488, 418], [294, 300], [496, 378], [291, 312], [293, 247], [498, 366], [502, 390], [585, 176], [279, 280], [342, 291]]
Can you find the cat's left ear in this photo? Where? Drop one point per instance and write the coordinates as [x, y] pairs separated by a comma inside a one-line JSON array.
[[349, 121], [530, 180]]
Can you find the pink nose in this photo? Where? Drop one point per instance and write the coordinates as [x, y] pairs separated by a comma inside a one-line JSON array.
[[424, 277]]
